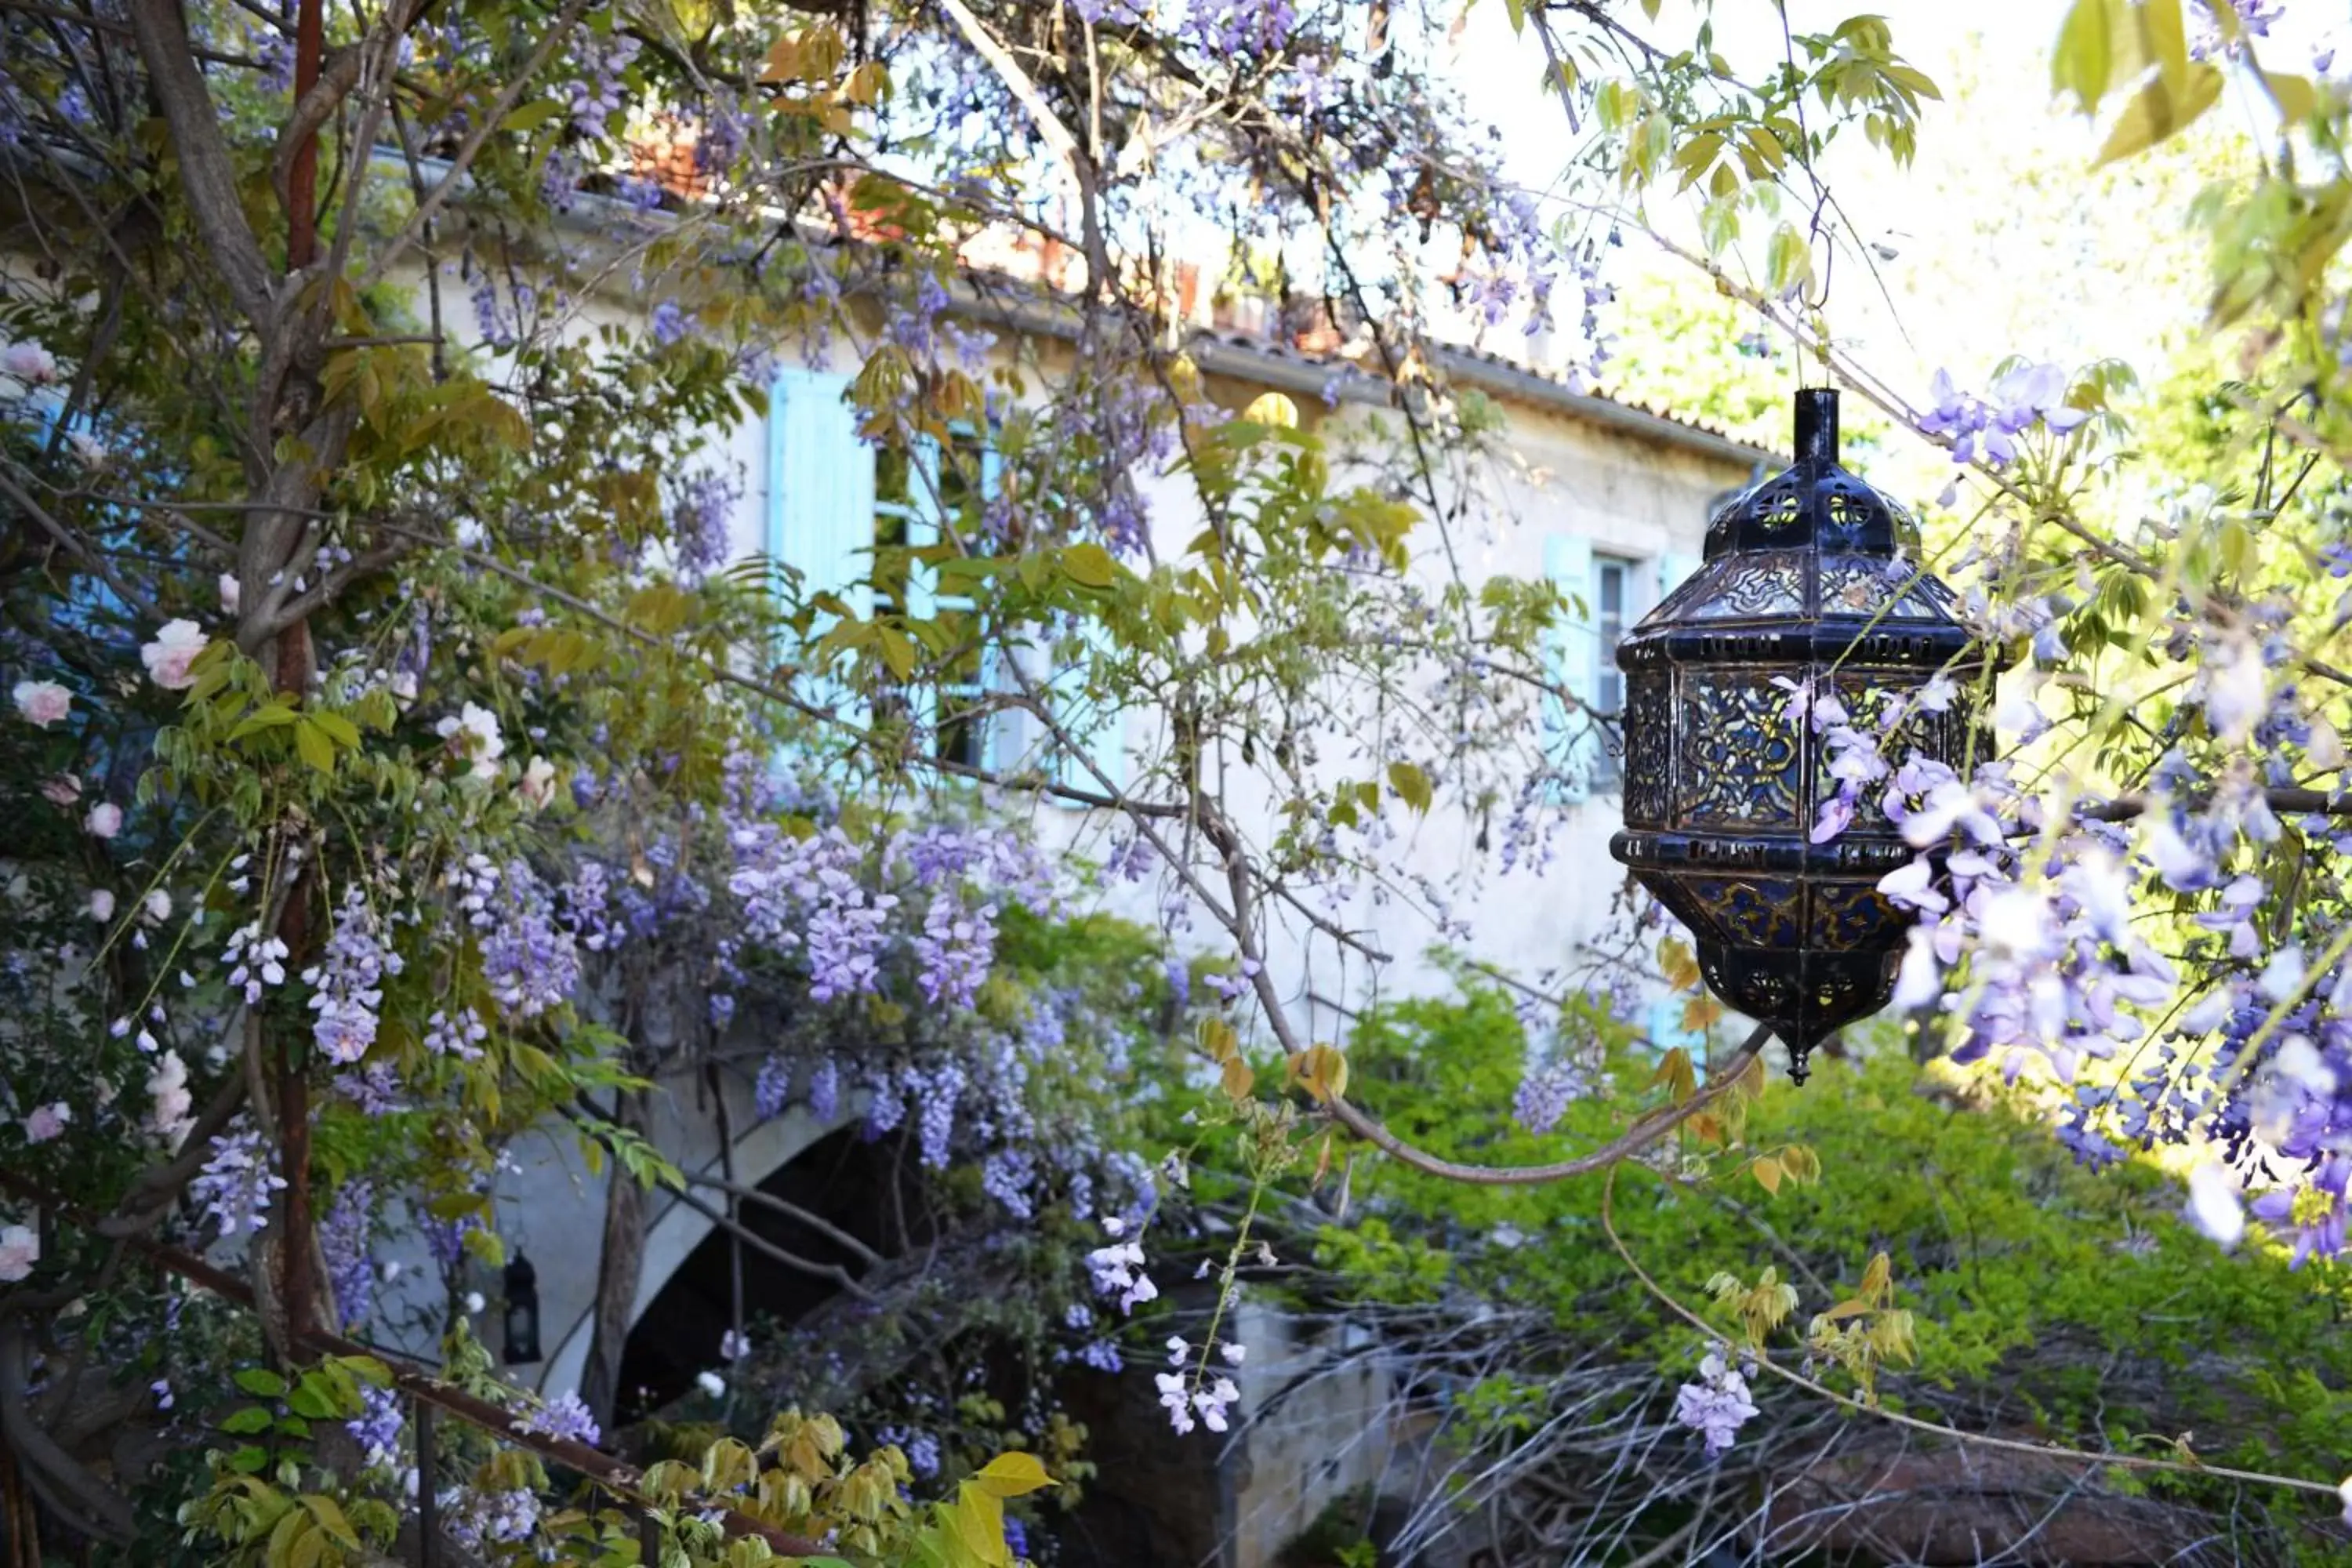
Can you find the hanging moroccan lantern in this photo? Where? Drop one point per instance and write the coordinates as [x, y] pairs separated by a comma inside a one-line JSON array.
[[1813, 577]]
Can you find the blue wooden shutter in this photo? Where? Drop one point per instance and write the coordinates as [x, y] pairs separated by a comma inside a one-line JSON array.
[[1569, 649], [820, 517], [1097, 727], [1666, 1031]]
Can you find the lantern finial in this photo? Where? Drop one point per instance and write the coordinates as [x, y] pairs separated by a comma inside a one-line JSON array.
[[1817, 427], [1808, 606]]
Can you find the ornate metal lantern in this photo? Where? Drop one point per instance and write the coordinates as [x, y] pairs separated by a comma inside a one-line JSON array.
[[1810, 576]]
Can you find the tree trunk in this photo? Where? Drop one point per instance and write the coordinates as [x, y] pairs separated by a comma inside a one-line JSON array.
[[618, 1268]]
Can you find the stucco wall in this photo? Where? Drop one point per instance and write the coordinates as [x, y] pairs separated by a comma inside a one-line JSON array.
[[1634, 498]]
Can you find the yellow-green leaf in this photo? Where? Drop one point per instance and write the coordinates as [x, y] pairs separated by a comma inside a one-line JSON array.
[[1237, 1078], [2084, 62], [2166, 40], [1788, 260], [1015, 1474], [531, 115], [312, 743], [2156, 111], [1412, 785], [1767, 1171], [898, 652], [338, 730], [2296, 98], [978, 1522], [1089, 565]]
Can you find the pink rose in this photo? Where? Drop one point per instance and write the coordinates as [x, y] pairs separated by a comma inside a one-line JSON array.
[[20, 1248], [105, 819], [63, 789], [47, 1122], [29, 363], [101, 904], [43, 702], [168, 657]]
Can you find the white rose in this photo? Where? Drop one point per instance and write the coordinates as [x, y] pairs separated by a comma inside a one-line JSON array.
[[474, 734], [101, 904], [105, 819], [539, 783]]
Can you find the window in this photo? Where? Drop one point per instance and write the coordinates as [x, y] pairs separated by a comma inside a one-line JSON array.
[[1612, 583], [916, 495], [833, 500]]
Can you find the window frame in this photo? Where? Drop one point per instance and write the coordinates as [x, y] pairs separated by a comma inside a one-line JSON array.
[[1607, 775]]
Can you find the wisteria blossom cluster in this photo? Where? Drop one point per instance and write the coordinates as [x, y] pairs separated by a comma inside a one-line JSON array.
[[1716, 1403], [1987, 429]]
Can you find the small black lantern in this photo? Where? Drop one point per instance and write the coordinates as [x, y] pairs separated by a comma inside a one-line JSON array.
[[522, 1313], [1810, 577]]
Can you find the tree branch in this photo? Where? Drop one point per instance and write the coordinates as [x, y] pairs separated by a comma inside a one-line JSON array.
[[491, 118], [1645, 1132], [207, 174]]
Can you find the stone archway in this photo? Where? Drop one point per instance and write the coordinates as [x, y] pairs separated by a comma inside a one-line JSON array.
[[840, 1212], [554, 1208]]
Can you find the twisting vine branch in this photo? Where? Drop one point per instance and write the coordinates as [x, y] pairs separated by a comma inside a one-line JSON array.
[[1954, 1434]]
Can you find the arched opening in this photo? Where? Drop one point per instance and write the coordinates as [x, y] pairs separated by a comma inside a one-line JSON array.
[[842, 1185]]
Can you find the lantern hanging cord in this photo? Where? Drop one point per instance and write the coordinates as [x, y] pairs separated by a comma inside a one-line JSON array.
[[1644, 1131]]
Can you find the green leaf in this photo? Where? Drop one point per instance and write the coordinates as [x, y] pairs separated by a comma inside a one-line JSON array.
[[531, 115], [1787, 260], [339, 729], [2155, 113], [2084, 62], [312, 743], [248, 1461], [1411, 784], [368, 1370], [245, 1422], [311, 1402], [260, 1382], [1089, 565], [269, 716]]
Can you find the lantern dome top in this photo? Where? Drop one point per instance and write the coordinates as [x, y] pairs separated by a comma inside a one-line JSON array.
[[1814, 501]]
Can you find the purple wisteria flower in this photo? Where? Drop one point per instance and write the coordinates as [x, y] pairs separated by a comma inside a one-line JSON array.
[[1985, 429], [2312, 1212], [1717, 1404], [377, 1428], [348, 981], [1546, 1092], [343, 1241], [234, 1187], [954, 952], [567, 1416]]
